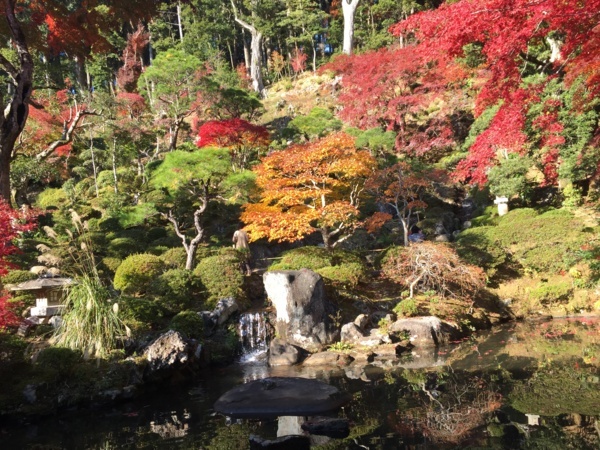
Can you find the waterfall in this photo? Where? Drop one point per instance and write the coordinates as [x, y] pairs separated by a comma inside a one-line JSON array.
[[252, 330]]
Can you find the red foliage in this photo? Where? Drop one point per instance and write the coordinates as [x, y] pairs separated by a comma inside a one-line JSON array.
[[298, 61], [231, 132], [397, 90], [504, 28], [131, 105], [12, 223], [504, 135], [241, 137], [128, 75]]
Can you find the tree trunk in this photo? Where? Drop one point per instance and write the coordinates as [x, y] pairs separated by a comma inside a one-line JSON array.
[[348, 9], [16, 108], [179, 26], [256, 37]]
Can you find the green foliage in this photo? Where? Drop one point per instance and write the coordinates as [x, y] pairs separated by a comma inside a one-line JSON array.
[[52, 198], [340, 347], [137, 310], [407, 308], [318, 123], [344, 275], [188, 323], [376, 140], [174, 289], [59, 359], [180, 168], [112, 263], [526, 240], [137, 272], [124, 246], [17, 276], [509, 178], [12, 349], [174, 258], [308, 257], [338, 267], [221, 276], [552, 292], [558, 389]]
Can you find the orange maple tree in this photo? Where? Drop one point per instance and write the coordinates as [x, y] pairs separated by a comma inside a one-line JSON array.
[[310, 187]]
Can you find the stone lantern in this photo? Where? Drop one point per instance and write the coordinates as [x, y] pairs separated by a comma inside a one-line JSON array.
[[502, 203]]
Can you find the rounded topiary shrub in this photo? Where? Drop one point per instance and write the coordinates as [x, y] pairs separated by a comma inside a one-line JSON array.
[[221, 276], [344, 275], [174, 289], [123, 247], [312, 258], [137, 311], [137, 272], [188, 323], [60, 359], [174, 257], [109, 224], [51, 198]]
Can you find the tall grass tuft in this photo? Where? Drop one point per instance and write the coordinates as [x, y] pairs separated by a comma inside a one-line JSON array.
[[90, 321]]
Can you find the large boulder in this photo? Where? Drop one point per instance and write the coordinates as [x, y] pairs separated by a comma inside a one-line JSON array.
[[303, 313], [427, 331], [170, 351], [282, 353]]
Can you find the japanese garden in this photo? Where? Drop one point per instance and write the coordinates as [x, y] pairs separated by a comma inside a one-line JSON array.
[[326, 224]]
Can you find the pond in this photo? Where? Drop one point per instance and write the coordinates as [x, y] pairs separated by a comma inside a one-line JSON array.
[[521, 386]]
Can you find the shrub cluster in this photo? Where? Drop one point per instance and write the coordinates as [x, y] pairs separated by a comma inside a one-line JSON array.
[[137, 272], [221, 276]]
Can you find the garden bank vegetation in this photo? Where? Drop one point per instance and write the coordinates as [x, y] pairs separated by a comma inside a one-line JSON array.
[[135, 140]]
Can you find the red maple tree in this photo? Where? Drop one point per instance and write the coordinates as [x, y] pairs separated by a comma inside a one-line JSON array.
[[508, 35], [244, 139], [12, 223]]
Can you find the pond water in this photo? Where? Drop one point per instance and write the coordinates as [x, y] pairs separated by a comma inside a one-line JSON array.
[[522, 386]]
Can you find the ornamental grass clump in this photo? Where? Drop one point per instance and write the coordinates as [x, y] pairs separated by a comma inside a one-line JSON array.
[[90, 321]]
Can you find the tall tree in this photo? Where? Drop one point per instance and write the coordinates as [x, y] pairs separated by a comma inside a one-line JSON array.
[[349, 9], [77, 28]]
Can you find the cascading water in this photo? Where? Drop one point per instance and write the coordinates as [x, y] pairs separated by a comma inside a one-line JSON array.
[[252, 330]]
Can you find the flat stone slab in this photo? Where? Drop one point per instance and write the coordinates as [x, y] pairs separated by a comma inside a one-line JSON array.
[[280, 396]]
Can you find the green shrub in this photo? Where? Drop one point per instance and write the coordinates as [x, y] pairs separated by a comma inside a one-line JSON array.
[[52, 198], [318, 123], [406, 308], [62, 360], [340, 268], [12, 348], [156, 233], [17, 276], [221, 276], [345, 275], [528, 240], [174, 289], [124, 246], [188, 323], [108, 224], [174, 258], [135, 309], [112, 263], [552, 292], [312, 258], [137, 272]]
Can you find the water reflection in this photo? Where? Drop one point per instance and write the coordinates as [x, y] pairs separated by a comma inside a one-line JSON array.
[[526, 386]]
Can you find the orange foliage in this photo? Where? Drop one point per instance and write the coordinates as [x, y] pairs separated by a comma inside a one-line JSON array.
[[307, 188]]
